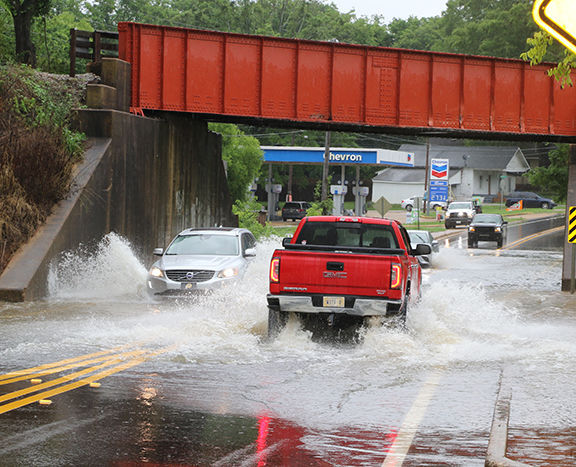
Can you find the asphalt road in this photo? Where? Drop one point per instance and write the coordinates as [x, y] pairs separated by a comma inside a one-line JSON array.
[[195, 382]]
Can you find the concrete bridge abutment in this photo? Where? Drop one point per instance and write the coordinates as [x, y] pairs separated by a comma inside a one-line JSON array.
[[144, 178]]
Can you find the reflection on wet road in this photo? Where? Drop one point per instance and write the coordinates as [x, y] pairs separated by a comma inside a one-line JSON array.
[[213, 391]]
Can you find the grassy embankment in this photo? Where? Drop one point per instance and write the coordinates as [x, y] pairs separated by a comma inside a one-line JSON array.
[[38, 150]]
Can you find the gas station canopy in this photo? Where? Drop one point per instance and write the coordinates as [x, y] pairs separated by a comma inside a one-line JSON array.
[[340, 156]]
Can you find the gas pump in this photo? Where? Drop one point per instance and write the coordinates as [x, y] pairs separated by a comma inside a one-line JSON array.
[[273, 190], [360, 194], [338, 193]]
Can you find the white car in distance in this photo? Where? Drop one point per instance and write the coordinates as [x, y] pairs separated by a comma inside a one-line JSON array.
[[410, 203]]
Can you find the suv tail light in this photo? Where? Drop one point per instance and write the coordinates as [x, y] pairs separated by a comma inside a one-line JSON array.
[[275, 270], [395, 276]]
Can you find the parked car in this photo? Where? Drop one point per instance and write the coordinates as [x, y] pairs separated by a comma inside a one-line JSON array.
[[459, 213], [529, 200], [487, 227], [418, 237], [198, 260], [409, 204], [295, 210]]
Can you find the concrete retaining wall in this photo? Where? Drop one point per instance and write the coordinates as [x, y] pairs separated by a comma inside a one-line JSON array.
[[163, 176], [143, 178]]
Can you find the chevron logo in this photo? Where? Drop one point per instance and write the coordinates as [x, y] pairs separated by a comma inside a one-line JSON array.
[[572, 224], [439, 169]]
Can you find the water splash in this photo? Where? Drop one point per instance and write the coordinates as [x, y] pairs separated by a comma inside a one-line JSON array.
[[110, 272], [455, 320]]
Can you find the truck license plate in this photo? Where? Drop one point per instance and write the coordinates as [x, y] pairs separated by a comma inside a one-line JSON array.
[[337, 302]]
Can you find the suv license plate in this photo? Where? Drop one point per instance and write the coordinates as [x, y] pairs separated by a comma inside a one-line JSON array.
[[336, 302]]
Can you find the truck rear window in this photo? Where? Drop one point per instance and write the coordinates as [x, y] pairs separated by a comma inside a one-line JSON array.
[[347, 234]]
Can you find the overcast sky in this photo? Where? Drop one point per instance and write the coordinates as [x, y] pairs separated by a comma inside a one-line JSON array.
[[391, 8]]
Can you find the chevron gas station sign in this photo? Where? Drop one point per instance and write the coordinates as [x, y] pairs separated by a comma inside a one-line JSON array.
[[439, 169], [342, 156], [439, 180]]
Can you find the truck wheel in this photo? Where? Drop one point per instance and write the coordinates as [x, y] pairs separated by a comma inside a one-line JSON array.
[[276, 321], [499, 243], [398, 316]]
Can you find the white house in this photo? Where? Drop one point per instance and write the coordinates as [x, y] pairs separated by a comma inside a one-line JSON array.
[[474, 170]]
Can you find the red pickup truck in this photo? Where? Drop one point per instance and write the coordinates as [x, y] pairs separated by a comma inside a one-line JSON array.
[[337, 270]]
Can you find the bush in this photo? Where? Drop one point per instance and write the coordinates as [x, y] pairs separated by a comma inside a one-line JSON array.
[[38, 151], [248, 214]]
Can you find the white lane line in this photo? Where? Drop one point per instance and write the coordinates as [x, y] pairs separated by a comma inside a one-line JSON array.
[[399, 449]]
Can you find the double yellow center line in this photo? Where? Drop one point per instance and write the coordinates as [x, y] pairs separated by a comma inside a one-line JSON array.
[[99, 365]]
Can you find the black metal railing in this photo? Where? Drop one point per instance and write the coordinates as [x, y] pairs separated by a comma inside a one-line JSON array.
[[92, 45]]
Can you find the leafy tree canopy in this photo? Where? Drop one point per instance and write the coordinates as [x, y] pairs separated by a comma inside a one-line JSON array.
[[243, 157], [553, 179]]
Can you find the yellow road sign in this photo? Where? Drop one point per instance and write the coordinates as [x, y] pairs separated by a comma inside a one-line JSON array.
[[558, 18], [572, 224], [382, 205]]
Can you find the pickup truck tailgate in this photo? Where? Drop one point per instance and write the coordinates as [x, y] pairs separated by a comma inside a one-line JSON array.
[[335, 273]]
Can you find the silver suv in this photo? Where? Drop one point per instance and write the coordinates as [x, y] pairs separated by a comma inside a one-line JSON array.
[[459, 213], [198, 260]]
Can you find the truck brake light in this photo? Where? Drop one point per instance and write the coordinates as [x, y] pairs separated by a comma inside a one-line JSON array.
[[275, 270], [395, 276]]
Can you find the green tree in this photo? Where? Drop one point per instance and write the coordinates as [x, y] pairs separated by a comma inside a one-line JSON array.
[[53, 38], [544, 47], [486, 27], [102, 14], [23, 14], [416, 33], [553, 179], [6, 36], [243, 157]]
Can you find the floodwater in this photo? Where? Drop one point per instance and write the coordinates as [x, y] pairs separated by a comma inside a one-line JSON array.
[[217, 392]]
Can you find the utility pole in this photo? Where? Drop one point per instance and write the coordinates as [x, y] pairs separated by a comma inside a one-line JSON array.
[[569, 248], [290, 174], [325, 164], [426, 176]]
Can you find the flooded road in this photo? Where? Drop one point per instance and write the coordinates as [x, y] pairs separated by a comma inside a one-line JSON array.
[[201, 385]]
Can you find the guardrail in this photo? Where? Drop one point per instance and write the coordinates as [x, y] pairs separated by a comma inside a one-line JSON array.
[[92, 45]]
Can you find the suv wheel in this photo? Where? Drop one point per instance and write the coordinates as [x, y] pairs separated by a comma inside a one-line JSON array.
[[545, 205], [408, 207]]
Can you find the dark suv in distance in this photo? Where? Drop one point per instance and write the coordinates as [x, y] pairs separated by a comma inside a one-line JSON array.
[[529, 200], [487, 227], [295, 210]]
